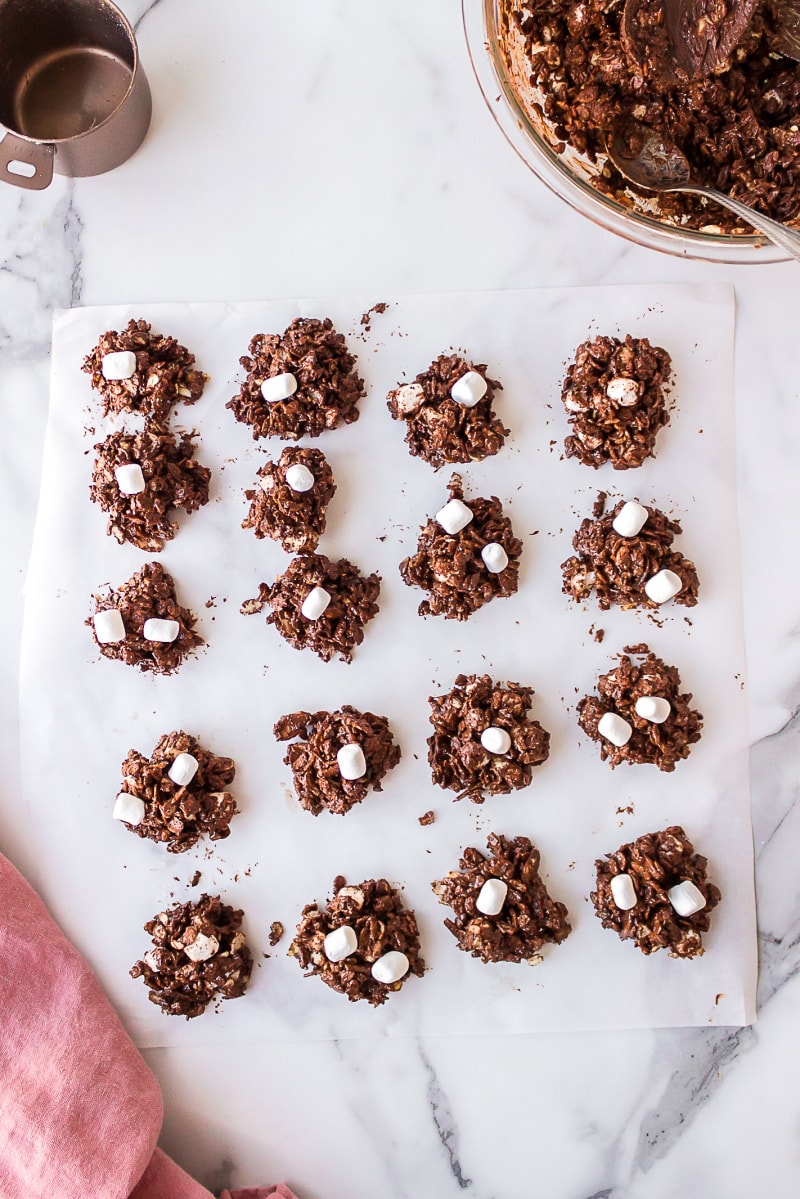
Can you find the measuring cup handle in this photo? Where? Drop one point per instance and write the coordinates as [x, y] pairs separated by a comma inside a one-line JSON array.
[[36, 159]]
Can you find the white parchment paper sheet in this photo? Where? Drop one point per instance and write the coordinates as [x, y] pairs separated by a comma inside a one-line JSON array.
[[81, 714]]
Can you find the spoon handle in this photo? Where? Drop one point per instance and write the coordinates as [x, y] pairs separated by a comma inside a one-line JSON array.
[[788, 239]]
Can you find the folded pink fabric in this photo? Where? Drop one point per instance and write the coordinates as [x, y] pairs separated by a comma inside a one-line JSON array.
[[80, 1112]]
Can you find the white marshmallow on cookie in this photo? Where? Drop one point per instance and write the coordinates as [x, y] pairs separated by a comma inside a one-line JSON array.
[[496, 741], [183, 770], [663, 586], [202, 948], [340, 943], [614, 728], [686, 898], [130, 479], [469, 390], [121, 364], [351, 761], [390, 968], [129, 809], [315, 603], [623, 391], [156, 629], [299, 477], [630, 519], [279, 387], [454, 517], [623, 892], [495, 558], [108, 626], [492, 896], [654, 708]]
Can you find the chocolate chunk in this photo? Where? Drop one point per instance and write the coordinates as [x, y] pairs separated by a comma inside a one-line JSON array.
[[458, 760], [181, 986], [164, 374], [340, 628], [179, 816], [661, 743], [148, 594], [172, 479], [328, 386], [614, 397], [427, 818], [313, 756], [449, 566], [294, 518], [655, 863], [617, 568], [738, 126], [678, 41], [375, 913], [438, 428], [528, 919]]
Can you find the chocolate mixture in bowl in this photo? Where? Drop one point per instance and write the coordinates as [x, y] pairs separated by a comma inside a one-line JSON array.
[[732, 107]]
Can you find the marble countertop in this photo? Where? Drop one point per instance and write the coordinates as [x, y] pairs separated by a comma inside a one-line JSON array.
[[341, 146]]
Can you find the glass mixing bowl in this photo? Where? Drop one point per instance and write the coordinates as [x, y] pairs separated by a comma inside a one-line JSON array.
[[569, 174]]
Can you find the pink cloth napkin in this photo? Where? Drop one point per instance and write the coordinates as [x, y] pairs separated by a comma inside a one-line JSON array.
[[80, 1112]]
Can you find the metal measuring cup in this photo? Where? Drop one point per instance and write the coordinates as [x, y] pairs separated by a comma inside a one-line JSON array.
[[73, 96]]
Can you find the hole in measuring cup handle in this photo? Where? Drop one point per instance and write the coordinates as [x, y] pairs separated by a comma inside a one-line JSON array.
[[26, 164]]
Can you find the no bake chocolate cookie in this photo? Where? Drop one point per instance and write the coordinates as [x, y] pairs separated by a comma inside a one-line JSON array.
[[319, 605], [140, 478], [654, 892], [467, 555], [177, 795], [291, 501], [199, 955], [613, 394], [142, 624], [298, 383], [639, 714], [338, 757], [483, 741], [502, 911], [633, 570], [137, 370], [448, 412], [364, 943]]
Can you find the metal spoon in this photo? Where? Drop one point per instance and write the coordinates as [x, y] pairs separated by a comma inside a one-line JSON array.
[[648, 159]]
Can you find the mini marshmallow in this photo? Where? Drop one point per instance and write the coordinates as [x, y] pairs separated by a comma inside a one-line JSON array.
[[183, 770], [614, 728], [630, 519], [623, 891], [654, 708], [408, 398], [299, 477], [663, 586], [351, 761], [279, 387], [686, 898], [108, 626], [130, 479], [128, 808], [495, 741], [623, 391], [494, 557], [120, 365], [315, 603], [391, 967], [469, 390], [202, 948], [454, 517], [340, 943], [160, 630], [492, 896]]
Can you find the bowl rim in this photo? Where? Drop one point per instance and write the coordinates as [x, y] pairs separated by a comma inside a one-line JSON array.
[[479, 19]]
